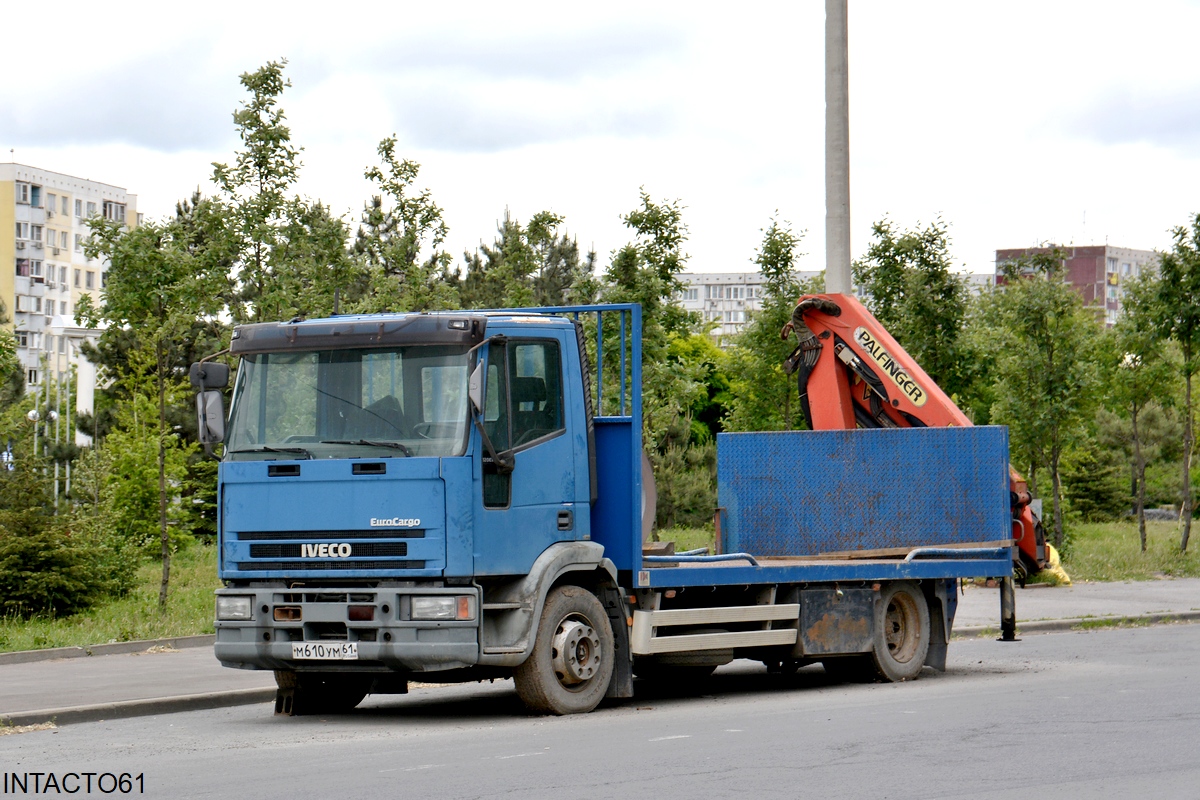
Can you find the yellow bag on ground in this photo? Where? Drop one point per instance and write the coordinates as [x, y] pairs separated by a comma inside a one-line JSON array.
[[1055, 570]]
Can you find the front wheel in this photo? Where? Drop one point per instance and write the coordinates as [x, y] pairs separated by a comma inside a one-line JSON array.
[[572, 660]]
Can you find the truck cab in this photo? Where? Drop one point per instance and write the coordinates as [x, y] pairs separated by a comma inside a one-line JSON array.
[[372, 517]]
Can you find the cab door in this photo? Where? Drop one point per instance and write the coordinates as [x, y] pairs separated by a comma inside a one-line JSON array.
[[522, 512]]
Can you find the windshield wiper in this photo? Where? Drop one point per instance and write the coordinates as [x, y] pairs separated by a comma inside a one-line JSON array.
[[403, 448], [268, 449]]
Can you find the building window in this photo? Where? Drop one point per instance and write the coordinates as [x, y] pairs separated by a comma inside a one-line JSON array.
[[32, 377], [22, 338], [78, 246], [52, 203], [64, 240], [1112, 265], [23, 267], [23, 193], [79, 208], [22, 303], [114, 211], [103, 280], [62, 307], [77, 278], [90, 283], [35, 270], [91, 210], [35, 232], [62, 275], [37, 305], [66, 206], [35, 196], [62, 344], [22, 230]]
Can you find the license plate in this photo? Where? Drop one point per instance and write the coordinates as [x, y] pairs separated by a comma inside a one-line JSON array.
[[327, 651]]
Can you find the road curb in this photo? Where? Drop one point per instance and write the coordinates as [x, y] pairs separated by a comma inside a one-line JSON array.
[[1080, 623], [139, 708], [115, 648]]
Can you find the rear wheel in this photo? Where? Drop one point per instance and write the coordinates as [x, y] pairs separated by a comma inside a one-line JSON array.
[[572, 660], [901, 632]]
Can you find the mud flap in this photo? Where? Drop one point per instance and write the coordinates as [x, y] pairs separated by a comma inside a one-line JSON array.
[[940, 620], [621, 685]]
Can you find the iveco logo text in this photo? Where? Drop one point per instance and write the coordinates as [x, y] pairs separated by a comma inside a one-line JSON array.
[[395, 522], [335, 550]]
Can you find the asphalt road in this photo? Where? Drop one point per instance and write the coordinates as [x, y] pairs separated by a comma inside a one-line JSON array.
[[1107, 713]]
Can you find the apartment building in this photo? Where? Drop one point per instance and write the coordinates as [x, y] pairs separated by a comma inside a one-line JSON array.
[[725, 298], [48, 269], [1100, 273]]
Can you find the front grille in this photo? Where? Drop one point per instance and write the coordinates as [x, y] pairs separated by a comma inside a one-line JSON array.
[[374, 533], [250, 566], [362, 550]]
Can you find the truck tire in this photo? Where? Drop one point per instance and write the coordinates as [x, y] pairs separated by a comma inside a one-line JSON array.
[[901, 632], [571, 665]]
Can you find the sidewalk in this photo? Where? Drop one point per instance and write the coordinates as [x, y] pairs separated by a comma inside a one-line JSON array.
[[980, 608], [43, 686], [135, 684]]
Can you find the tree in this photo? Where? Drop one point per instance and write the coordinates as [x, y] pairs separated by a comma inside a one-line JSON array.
[[400, 244], [907, 283], [162, 277], [763, 397], [316, 271], [1138, 372], [255, 190], [1042, 348], [1175, 310], [533, 265]]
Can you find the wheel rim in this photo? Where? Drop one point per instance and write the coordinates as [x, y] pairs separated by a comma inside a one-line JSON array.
[[902, 627], [576, 655]]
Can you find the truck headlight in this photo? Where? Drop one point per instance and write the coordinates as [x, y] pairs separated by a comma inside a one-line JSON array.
[[444, 606], [235, 608]]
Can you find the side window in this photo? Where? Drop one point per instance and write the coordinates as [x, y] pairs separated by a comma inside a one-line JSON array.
[[536, 386], [497, 488]]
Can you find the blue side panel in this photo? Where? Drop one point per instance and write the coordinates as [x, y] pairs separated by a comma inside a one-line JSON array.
[[612, 514], [812, 492], [460, 518]]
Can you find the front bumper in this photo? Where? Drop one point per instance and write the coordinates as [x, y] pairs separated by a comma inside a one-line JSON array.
[[389, 641]]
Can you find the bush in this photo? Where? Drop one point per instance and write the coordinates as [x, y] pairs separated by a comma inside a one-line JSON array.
[[45, 572], [685, 477]]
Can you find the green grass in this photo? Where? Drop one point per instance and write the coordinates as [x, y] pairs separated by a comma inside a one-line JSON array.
[[136, 616], [1110, 551], [688, 538]]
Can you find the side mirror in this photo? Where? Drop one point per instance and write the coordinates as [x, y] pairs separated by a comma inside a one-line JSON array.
[[210, 413], [206, 375], [475, 387]]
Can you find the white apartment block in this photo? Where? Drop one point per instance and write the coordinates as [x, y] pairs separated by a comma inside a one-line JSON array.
[[48, 270], [725, 298]]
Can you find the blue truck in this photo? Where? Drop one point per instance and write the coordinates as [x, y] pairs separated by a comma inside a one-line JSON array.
[[463, 496]]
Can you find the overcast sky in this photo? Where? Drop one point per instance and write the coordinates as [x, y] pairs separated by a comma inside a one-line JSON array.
[[1015, 123]]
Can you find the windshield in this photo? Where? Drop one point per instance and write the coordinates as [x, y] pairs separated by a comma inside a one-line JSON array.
[[378, 403]]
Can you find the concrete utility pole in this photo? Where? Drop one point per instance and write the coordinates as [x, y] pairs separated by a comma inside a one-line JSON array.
[[837, 149]]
